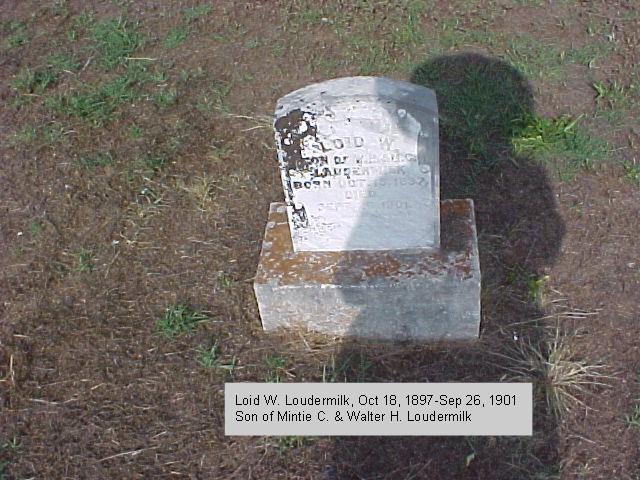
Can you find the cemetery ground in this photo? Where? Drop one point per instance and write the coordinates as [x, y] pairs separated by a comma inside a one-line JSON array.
[[138, 164]]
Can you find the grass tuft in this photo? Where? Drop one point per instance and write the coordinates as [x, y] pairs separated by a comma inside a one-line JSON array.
[[194, 13], [209, 358], [276, 365], [176, 36], [93, 160], [116, 39], [85, 259], [555, 371], [179, 319], [33, 82], [98, 103], [632, 172], [559, 141]]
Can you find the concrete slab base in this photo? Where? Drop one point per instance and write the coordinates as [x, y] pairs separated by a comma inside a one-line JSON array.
[[418, 294]]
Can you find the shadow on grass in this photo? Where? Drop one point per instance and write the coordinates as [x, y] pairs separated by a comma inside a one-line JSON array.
[[480, 100]]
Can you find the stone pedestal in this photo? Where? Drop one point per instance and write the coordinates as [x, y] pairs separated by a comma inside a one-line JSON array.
[[402, 294]]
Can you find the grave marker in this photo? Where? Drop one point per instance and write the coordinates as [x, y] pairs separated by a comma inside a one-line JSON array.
[[359, 165], [356, 248]]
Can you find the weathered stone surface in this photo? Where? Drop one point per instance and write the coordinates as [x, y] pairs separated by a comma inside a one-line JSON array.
[[393, 294], [359, 165]]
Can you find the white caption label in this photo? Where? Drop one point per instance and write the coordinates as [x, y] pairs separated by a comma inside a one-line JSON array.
[[420, 409]]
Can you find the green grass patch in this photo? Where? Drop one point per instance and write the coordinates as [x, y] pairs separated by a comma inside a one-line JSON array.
[[277, 368], [33, 82], [478, 102], [36, 81], [614, 94], [209, 358], [35, 227], [352, 367], [63, 62], [214, 98], [115, 40], [179, 319], [633, 419], [135, 132], [85, 261], [81, 23], [93, 160], [176, 36], [98, 103], [18, 34], [165, 97], [47, 135], [153, 162], [194, 13], [560, 142], [225, 281], [631, 172]]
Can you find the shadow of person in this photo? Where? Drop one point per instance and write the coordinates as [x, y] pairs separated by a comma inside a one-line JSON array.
[[480, 101]]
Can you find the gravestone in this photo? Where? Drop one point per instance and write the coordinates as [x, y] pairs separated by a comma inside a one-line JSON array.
[[362, 244], [359, 165]]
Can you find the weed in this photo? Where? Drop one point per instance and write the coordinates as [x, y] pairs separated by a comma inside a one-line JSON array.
[[116, 39], [631, 171], [209, 358], [555, 371], [276, 365], [179, 319], [84, 259], [536, 287], [99, 159], [175, 37], [194, 13]]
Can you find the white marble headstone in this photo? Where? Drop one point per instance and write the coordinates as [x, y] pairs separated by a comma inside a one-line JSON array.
[[359, 165]]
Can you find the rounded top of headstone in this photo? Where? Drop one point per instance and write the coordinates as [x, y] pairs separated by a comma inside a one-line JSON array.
[[395, 90]]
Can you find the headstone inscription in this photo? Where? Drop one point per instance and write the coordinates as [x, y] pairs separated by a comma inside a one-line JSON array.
[[359, 165], [362, 245]]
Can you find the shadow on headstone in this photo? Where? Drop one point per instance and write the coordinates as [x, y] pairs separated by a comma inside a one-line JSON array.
[[519, 233]]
